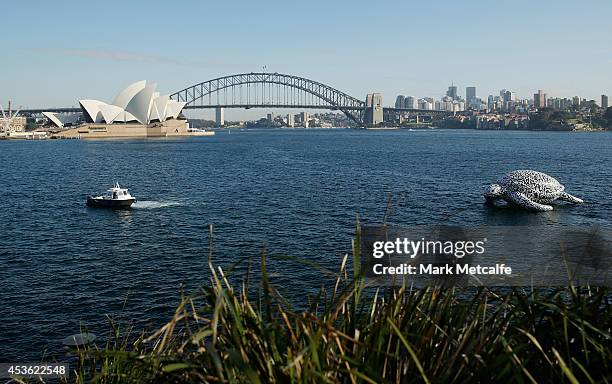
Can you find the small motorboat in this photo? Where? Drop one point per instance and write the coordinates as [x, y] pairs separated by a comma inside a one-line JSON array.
[[118, 198]]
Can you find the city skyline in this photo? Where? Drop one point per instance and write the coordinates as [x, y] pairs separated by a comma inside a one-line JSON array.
[[398, 49]]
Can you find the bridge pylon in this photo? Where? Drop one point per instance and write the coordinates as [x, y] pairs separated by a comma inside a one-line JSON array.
[[373, 114]]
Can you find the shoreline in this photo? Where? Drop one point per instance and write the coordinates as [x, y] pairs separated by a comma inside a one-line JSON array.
[[80, 133]]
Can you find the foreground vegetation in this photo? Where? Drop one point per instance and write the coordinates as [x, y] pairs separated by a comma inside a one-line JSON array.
[[356, 334]]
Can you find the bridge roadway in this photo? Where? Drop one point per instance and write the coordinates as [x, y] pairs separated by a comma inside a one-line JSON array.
[[33, 111], [275, 90]]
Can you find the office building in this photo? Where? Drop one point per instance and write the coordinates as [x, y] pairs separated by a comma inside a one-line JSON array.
[[470, 96], [304, 119], [452, 92], [399, 101], [410, 102], [539, 99], [604, 101]]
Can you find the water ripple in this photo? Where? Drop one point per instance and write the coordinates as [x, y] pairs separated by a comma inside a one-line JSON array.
[[63, 265]]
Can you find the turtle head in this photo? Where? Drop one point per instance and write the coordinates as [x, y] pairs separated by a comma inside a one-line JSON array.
[[494, 191]]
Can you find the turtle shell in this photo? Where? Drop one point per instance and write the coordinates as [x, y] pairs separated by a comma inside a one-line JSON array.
[[537, 186]]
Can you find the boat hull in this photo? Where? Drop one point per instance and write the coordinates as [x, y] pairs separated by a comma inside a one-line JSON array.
[[109, 203]]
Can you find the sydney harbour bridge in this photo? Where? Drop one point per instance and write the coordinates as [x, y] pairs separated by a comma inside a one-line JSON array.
[[276, 90]]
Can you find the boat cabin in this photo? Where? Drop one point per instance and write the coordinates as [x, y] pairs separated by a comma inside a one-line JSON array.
[[118, 193]]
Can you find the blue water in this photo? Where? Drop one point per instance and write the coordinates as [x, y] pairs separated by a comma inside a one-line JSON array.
[[291, 192]]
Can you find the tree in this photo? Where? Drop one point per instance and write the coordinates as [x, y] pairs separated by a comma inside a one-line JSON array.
[[608, 117]]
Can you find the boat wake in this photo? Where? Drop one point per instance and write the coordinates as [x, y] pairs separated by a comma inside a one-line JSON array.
[[147, 204]]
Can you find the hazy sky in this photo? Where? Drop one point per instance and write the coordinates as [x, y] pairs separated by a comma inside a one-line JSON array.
[[56, 52]]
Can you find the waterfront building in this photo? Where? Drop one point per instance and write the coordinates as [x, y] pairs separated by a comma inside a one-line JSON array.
[[478, 105], [559, 103], [220, 116], [139, 102], [556, 103], [61, 120], [459, 106], [604, 101], [270, 118], [566, 103], [446, 104], [137, 111], [539, 99], [304, 119], [421, 104], [507, 100], [290, 120], [13, 124], [430, 103], [426, 103]]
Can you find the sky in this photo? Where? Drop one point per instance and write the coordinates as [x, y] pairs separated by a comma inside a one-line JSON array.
[[56, 52]]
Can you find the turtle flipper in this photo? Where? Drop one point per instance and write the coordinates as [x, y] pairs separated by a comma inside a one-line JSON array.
[[572, 199], [493, 194], [520, 199]]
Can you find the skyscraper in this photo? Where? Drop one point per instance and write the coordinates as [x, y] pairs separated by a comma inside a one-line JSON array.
[[470, 96], [539, 99], [452, 91], [604, 101], [399, 101], [410, 102]]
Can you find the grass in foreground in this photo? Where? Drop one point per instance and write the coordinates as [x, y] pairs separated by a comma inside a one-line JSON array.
[[397, 335]]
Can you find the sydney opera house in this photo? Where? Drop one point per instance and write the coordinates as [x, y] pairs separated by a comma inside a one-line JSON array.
[[137, 111]]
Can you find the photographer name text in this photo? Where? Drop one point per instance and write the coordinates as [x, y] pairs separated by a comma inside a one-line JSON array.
[[446, 269]]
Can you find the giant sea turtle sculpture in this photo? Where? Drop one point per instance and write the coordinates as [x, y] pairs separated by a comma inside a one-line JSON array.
[[528, 189]]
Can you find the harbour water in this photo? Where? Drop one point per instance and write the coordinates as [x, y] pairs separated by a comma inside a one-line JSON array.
[[291, 192]]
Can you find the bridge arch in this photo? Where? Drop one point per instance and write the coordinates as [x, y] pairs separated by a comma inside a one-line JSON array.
[[269, 90]]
